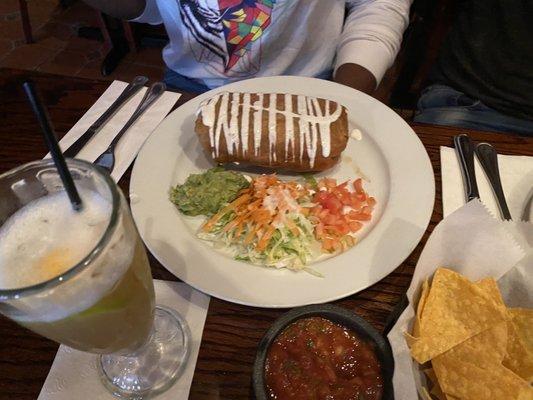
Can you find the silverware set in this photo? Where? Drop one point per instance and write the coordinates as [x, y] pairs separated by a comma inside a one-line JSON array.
[[106, 160], [488, 158]]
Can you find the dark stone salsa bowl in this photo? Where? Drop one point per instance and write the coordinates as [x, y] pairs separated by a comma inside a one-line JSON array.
[[335, 314]]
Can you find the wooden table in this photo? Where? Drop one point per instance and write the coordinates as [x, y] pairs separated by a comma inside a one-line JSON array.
[[232, 332]]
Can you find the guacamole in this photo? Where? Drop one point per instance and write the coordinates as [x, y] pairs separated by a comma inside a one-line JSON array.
[[205, 194]]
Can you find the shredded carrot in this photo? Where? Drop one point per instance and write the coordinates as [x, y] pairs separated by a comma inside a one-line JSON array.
[[262, 244], [231, 206], [257, 219]]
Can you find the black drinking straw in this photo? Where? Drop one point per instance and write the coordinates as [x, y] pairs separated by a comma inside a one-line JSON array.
[[53, 146]]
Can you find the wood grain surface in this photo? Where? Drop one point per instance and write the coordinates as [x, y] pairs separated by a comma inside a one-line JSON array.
[[232, 332]]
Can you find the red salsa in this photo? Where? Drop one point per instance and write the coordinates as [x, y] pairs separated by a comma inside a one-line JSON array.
[[317, 359]]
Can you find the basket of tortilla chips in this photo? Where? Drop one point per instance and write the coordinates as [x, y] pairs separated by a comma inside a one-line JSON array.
[[468, 343], [467, 332]]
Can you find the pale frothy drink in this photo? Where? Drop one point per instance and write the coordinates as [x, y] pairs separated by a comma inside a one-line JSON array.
[[106, 304], [82, 277]]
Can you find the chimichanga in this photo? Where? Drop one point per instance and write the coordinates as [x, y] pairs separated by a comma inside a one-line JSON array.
[[285, 131]]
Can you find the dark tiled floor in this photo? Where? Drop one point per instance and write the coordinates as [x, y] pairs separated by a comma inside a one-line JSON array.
[[58, 49]]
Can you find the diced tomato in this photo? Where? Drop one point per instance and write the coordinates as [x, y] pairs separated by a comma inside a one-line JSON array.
[[330, 219], [355, 202], [345, 198], [319, 229], [355, 226], [327, 244], [358, 186], [321, 196], [330, 183], [333, 204], [359, 216], [322, 214], [342, 186], [334, 223], [361, 196], [344, 229]]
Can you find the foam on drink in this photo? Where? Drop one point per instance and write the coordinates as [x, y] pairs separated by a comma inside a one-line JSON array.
[[47, 237]]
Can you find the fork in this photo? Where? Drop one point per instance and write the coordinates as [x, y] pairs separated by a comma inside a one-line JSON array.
[[106, 160]]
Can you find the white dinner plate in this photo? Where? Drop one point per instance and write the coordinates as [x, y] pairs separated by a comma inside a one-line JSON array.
[[390, 157]]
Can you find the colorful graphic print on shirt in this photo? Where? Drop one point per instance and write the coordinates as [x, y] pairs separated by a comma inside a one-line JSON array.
[[225, 34]]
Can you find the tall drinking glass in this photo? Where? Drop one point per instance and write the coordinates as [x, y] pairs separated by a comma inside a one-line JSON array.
[[83, 279]]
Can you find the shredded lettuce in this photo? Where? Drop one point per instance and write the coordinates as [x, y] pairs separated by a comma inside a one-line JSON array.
[[284, 250], [311, 181]]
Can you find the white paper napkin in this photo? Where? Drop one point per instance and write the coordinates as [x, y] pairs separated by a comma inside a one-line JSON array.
[[74, 374], [131, 142], [477, 245], [516, 174]]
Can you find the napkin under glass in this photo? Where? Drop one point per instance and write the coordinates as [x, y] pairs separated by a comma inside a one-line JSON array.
[[74, 374]]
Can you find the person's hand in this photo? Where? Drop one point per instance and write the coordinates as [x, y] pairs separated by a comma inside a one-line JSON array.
[[357, 77]]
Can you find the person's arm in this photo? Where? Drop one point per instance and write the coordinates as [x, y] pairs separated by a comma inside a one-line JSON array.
[[370, 40], [123, 9]]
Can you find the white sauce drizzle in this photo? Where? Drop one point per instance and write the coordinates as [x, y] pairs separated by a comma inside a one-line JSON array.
[[289, 127], [303, 124], [258, 124], [325, 135], [221, 124], [356, 134], [311, 139], [245, 122], [312, 123], [208, 116], [231, 132], [272, 128]]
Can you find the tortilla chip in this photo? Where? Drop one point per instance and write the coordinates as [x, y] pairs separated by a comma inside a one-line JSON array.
[[470, 382], [526, 394], [523, 321], [484, 349], [420, 308], [423, 298], [409, 339], [519, 358], [490, 287], [455, 310]]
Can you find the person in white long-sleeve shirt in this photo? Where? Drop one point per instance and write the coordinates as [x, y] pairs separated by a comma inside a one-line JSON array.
[[214, 42]]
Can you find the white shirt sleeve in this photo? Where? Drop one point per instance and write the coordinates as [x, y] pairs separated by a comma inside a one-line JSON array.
[[150, 15], [372, 34]]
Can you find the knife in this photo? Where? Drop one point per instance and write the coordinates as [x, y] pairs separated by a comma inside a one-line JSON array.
[[126, 94], [464, 147], [488, 159]]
